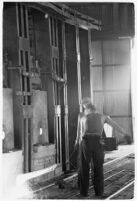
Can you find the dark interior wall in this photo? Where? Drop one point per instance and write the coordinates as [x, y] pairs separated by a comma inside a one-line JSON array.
[[10, 46], [39, 105], [43, 56], [10, 42], [42, 45], [72, 86], [85, 68]]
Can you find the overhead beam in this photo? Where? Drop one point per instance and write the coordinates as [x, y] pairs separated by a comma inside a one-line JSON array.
[[74, 17], [67, 14], [78, 14]]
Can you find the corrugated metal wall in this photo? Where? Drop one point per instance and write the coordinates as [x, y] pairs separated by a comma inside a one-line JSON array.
[[111, 80], [97, 75]]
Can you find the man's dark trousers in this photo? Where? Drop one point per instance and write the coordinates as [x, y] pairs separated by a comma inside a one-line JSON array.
[[91, 147]]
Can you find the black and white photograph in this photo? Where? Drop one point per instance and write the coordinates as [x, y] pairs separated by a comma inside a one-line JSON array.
[[68, 75]]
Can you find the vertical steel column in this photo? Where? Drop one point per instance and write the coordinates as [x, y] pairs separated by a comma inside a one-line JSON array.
[[90, 64], [24, 62], [52, 39], [58, 94], [57, 108], [26, 145], [65, 97], [78, 68], [53, 27]]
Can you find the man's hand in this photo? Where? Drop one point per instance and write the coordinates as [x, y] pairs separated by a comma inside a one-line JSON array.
[[76, 146], [123, 131], [128, 139]]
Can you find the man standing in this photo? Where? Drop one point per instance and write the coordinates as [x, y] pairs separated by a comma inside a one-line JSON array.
[[89, 138]]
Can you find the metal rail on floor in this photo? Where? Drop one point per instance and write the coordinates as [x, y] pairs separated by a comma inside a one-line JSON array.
[[113, 175], [121, 190], [75, 175]]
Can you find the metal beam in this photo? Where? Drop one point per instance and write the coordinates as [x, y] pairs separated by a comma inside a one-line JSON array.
[[67, 14]]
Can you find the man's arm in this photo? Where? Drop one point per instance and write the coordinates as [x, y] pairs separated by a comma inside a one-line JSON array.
[[115, 125], [78, 131], [121, 130]]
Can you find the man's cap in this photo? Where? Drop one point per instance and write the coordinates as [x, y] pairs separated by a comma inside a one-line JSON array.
[[86, 102]]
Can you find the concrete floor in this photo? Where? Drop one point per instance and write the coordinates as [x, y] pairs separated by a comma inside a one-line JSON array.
[[109, 156], [121, 151]]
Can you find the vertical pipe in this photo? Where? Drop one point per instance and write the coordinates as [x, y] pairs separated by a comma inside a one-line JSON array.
[[53, 31], [55, 84], [60, 141], [52, 61], [27, 23], [29, 88], [22, 22], [31, 144], [55, 66], [78, 67], [57, 135], [58, 96], [18, 20], [25, 59], [56, 33], [65, 97], [57, 61], [26, 148], [24, 52]]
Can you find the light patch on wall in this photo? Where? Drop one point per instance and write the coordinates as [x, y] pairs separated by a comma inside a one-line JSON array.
[[40, 131], [3, 135], [46, 16]]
